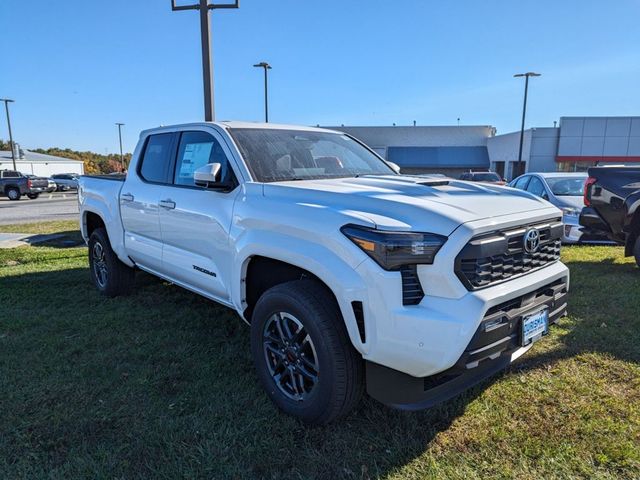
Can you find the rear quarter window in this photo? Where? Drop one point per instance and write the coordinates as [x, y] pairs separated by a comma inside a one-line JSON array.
[[156, 159]]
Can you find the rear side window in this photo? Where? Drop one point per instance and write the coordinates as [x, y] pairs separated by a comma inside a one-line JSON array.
[[157, 158], [11, 174], [521, 183]]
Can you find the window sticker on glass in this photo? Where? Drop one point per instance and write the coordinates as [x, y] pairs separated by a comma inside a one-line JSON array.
[[195, 156]]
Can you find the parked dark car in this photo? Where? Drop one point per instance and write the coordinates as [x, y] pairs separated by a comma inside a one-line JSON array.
[[612, 206], [14, 185], [483, 177]]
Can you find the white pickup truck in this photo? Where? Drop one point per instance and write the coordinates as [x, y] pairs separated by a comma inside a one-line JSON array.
[[349, 273]]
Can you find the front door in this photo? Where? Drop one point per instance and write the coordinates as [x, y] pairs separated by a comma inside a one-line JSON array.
[[139, 200], [195, 221]]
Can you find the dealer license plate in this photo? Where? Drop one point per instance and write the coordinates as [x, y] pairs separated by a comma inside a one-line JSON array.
[[534, 326]]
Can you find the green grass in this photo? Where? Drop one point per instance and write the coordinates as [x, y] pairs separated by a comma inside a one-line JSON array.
[[161, 385]]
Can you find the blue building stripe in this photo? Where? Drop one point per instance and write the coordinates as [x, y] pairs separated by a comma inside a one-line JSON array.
[[439, 157]]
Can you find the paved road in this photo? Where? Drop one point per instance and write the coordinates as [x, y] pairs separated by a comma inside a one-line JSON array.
[[49, 206]]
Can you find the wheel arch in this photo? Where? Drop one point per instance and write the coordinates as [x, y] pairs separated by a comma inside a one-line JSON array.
[[259, 272], [91, 219]]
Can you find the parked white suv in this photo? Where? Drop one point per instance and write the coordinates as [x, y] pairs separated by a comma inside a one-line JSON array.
[[348, 273]]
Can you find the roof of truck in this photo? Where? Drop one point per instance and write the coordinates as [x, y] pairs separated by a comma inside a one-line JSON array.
[[231, 124]]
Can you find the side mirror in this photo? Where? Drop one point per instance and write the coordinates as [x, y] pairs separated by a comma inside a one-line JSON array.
[[394, 166], [207, 176]]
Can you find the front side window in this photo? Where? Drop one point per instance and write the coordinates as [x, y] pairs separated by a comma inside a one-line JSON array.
[[196, 150], [283, 155], [157, 158]]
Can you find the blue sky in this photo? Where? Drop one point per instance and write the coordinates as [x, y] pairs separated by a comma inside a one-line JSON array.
[[75, 67]]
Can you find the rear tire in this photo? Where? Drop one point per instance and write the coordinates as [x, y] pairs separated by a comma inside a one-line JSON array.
[[110, 276], [33, 196], [302, 353], [12, 193]]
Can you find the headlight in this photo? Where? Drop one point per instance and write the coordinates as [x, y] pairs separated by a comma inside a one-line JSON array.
[[572, 212], [391, 250]]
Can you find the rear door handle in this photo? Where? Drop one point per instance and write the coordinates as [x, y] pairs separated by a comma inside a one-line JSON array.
[[126, 197], [168, 204]]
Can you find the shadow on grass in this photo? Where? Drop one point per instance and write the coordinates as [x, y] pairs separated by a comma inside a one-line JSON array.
[[67, 239], [161, 382]]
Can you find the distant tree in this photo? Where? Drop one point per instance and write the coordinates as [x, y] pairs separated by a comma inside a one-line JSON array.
[[93, 162], [4, 145]]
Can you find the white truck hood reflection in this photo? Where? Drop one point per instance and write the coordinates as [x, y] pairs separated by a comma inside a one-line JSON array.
[[430, 204]]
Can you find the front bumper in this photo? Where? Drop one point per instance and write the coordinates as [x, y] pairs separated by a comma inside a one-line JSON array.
[[572, 231], [429, 338], [496, 343]]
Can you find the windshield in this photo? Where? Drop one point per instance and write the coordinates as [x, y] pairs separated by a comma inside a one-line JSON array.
[[566, 186], [281, 155], [486, 177]]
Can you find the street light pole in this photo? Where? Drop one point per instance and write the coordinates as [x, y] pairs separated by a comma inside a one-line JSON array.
[[7, 101], [120, 138], [524, 107], [266, 67], [205, 34]]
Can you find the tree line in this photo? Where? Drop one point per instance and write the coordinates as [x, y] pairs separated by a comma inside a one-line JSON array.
[[94, 163]]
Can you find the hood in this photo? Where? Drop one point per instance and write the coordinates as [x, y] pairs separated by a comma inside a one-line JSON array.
[[400, 202]]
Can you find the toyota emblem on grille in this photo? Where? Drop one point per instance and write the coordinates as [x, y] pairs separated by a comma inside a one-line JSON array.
[[531, 241]]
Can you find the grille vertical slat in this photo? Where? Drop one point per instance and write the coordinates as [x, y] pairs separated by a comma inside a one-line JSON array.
[[412, 293]]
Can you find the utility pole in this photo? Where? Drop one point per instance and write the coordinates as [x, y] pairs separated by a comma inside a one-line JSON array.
[[266, 67], [7, 101], [524, 106], [205, 33], [120, 138]]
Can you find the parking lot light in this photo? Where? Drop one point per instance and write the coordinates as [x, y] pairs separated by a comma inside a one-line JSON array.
[[122, 165], [524, 106], [266, 67]]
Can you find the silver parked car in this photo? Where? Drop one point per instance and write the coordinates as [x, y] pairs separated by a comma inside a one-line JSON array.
[[565, 191], [66, 181]]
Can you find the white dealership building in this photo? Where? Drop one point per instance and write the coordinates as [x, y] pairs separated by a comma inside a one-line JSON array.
[[39, 164]]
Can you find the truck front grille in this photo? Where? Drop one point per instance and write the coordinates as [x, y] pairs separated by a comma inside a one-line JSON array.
[[499, 256]]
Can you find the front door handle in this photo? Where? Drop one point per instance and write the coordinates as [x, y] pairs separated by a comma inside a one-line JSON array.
[[168, 204], [126, 197]]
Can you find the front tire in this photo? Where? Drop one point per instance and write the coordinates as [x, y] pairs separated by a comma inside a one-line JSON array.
[[636, 251], [302, 353], [13, 193], [110, 276]]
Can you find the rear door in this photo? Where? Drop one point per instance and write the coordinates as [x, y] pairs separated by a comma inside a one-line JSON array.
[[195, 221], [139, 201]]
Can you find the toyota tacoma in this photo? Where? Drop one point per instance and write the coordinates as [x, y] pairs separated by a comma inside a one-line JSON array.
[[351, 275]]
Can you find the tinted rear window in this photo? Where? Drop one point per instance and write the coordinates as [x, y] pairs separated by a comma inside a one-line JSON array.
[[157, 158]]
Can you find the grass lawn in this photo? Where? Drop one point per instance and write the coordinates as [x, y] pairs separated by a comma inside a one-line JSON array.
[[161, 385]]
